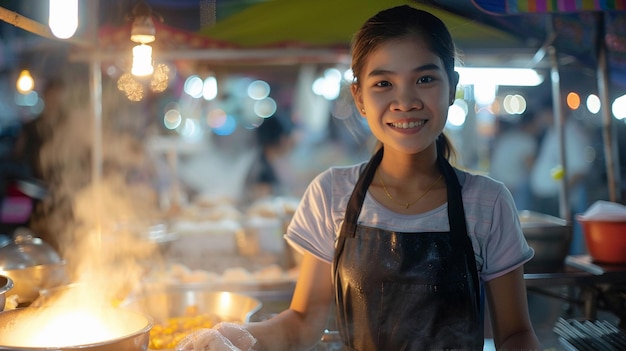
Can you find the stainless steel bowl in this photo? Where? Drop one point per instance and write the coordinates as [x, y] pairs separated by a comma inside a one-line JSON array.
[[166, 302], [134, 337], [6, 284]]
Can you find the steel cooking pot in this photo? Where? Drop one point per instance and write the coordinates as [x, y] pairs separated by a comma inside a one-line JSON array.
[[32, 264]]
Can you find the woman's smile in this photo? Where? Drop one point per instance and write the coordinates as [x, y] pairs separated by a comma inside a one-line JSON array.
[[407, 124]]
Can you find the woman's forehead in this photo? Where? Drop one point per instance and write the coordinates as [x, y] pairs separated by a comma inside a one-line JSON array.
[[412, 51]]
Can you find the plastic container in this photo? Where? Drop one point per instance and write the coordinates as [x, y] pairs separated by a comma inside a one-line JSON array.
[[605, 239]]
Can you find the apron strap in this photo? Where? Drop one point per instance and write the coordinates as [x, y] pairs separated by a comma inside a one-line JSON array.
[[456, 218], [348, 228]]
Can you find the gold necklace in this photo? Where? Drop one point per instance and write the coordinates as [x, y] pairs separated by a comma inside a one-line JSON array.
[[407, 204]]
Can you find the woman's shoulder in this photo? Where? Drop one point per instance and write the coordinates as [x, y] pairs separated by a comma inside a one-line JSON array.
[[479, 185]]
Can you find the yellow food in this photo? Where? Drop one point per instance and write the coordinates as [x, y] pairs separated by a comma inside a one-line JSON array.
[[168, 334]]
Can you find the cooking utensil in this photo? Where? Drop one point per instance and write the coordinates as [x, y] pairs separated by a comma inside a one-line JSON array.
[[6, 284], [32, 264], [605, 239], [167, 302], [549, 236], [134, 337], [590, 335]]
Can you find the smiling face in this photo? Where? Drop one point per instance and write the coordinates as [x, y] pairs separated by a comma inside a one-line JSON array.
[[405, 92]]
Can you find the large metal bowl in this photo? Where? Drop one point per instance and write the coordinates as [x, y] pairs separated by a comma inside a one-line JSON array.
[[135, 336], [549, 236], [170, 301]]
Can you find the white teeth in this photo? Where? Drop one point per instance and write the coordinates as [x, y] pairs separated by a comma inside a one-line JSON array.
[[407, 125]]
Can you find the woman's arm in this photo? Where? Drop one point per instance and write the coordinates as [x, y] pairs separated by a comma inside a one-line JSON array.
[[301, 326], [508, 306]]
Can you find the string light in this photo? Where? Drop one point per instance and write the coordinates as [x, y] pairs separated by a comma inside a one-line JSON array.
[[25, 82], [142, 60], [63, 18]]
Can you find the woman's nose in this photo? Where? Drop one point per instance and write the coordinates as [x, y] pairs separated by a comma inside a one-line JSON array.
[[407, 100]]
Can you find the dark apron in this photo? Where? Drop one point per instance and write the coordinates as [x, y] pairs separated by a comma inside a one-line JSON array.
[[407, 291]]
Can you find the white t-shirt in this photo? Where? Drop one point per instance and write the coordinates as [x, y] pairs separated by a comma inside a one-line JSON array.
[[510, 155], [575, 142], [492, 219]]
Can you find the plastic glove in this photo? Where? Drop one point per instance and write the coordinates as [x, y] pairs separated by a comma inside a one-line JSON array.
[[237, 334], [206, 340], [223, 337]]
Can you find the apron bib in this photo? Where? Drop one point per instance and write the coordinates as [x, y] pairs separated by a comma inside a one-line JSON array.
[[407, 291]]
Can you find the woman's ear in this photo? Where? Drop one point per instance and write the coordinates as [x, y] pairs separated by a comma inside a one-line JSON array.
[[358, 98]]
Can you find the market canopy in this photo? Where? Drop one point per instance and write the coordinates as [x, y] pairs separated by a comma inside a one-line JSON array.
[[331, 23]]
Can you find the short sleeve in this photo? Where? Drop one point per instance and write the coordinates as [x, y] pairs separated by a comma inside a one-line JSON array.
[[506, 247], [311, 228]]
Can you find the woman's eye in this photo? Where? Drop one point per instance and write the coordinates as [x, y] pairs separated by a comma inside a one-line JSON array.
[[426, 79], [383, 83]]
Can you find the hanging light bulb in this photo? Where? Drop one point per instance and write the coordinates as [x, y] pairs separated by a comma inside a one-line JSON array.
[[142, 60], [25, 82], [63, 19], [143, 30]]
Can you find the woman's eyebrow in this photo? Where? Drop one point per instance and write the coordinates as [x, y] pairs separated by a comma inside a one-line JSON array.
[[426, 67]]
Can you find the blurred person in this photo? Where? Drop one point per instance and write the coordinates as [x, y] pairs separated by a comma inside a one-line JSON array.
[[547, 172], [38, 131], [513, 156], [404, 246], [34, 137], [270, 174]]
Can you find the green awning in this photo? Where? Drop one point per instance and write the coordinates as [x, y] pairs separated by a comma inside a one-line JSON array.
[[331, 23]]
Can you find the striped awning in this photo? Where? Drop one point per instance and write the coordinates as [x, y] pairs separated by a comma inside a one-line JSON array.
[[509, 7]]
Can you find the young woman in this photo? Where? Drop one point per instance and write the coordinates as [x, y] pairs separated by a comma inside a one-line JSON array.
[[405, 245]]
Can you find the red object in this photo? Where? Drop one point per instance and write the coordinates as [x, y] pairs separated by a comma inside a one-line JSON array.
[[16, 207], [606, 240]]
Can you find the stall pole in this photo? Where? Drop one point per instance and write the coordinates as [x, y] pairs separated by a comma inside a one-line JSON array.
[[611, 150]]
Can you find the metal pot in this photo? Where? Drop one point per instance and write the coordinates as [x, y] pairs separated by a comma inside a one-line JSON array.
[[32, 264], [6, 284], [549, 236], [135, 338]]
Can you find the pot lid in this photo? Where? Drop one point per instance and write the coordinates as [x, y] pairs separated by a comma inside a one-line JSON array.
[[25, 251]]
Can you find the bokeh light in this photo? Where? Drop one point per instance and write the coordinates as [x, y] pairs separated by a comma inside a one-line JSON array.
[[265, 108], [619, 107], [258, 90], [593, 103], [193, 86], [573, 100], [227, 128], [172, 119], [514, 104], [209, 88]]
